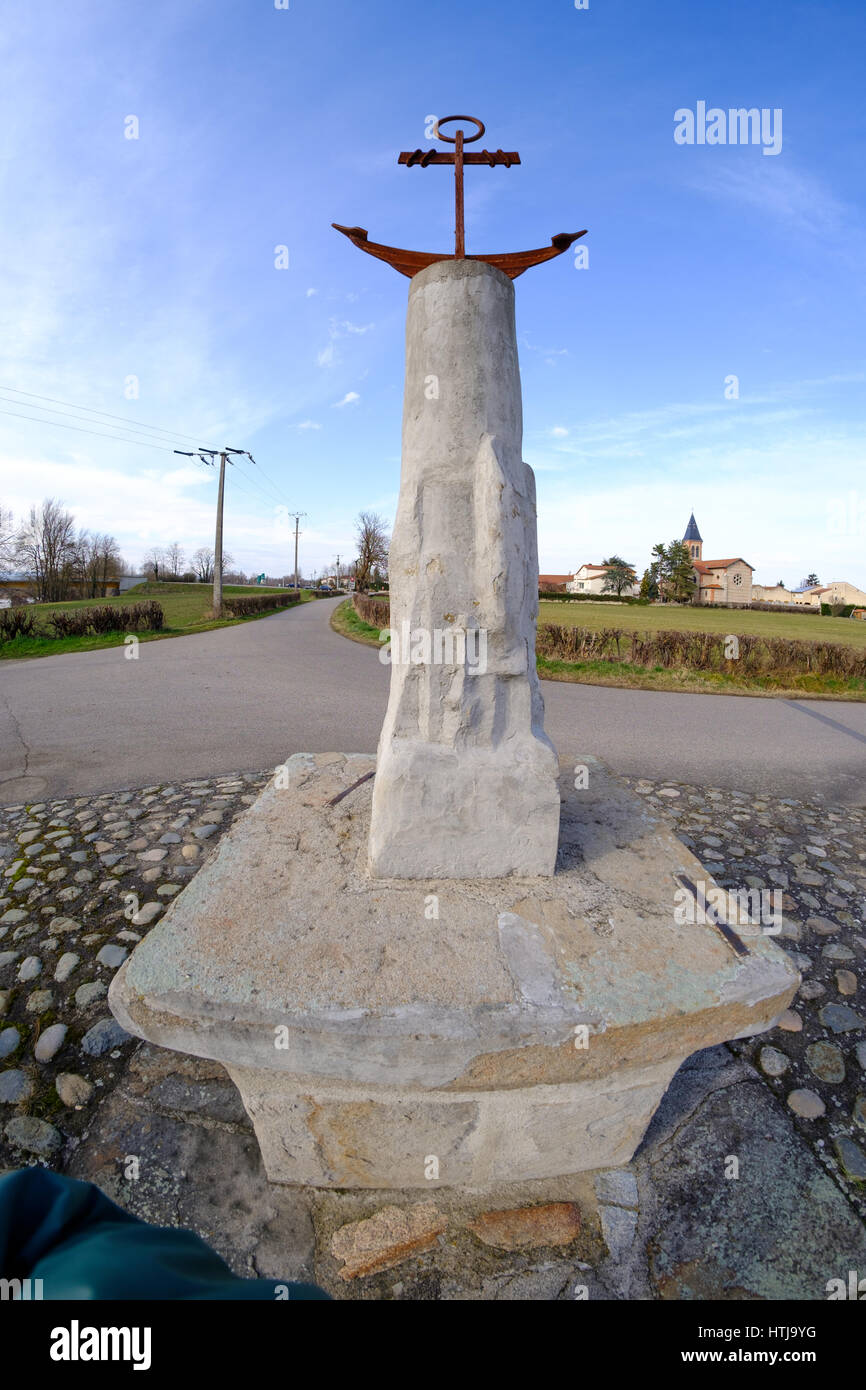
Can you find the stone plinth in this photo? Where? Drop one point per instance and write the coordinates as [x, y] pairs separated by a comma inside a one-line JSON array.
[[466, 777], [506, 1028]]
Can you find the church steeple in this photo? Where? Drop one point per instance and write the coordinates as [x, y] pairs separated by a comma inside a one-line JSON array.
[[693, 539]]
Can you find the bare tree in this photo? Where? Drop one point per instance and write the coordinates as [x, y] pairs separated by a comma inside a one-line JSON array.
[[47, 546], [203, 563], [371, 531], [8, 538], [98, 562], [174, 559], [154, 562]]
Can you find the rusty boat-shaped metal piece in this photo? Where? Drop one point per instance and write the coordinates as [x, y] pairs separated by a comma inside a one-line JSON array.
[[512, 263]]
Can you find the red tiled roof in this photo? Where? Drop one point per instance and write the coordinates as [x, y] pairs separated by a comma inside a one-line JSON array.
[[721, 564], [554, 578]]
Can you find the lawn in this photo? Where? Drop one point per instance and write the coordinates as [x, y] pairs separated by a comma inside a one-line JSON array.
[[185, 607], [637, 618], [622, 674]]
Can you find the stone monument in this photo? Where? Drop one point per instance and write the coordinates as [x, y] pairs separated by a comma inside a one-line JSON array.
[[463, 962]]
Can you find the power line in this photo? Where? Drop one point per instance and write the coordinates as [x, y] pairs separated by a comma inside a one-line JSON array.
[[56, 424], [266, 475], [176, 434], [47, 410]]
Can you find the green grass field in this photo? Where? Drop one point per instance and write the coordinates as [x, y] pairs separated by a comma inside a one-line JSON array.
[[624, 675], [185, 606], [633, 618]]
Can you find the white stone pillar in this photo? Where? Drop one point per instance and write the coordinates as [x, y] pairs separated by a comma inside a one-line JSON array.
[[466, 776]]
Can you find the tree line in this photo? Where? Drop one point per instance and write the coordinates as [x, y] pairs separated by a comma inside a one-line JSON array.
[[63, 562]]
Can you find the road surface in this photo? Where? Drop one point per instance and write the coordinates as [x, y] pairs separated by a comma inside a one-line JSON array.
[[243, 698]]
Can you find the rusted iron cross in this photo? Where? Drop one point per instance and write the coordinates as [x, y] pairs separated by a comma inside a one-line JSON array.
[[458, 159]]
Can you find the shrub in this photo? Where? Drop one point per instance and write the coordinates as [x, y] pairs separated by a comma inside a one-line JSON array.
[[71, 622], [78, 622], [703, 651], [375, 612], [16, 622], [562, 597], [244, 605]]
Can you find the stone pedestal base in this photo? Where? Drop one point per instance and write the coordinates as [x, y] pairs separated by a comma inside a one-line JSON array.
[[399, 1034]]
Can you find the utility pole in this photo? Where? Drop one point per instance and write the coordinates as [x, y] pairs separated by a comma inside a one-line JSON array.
[[207, 456], [297, 516], [218, 543]]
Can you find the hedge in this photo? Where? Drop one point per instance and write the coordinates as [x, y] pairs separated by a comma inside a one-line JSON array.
[[136, 617], [374, 611], [16, 622], [244, 605], [561, 597], [700, 651]]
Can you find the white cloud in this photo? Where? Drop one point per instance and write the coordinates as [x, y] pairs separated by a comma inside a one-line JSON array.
[[309, 425], [311, 292], [559, 432], [327, 356], [350, 398]]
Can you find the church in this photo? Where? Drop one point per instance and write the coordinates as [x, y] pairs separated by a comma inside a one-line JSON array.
[[717, 581]]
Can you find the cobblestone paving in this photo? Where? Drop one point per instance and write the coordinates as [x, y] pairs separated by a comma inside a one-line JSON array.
[[814, 1061], [83, 880]]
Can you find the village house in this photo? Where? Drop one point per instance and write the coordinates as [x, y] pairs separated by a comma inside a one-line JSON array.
[[589, 579]]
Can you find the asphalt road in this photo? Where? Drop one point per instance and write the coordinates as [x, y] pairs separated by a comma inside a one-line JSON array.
[[243, 698]]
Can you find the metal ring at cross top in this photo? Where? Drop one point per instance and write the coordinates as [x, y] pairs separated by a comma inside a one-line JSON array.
[[452, 139]]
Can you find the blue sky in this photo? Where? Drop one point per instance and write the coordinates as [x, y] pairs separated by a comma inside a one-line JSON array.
[[258, 127]]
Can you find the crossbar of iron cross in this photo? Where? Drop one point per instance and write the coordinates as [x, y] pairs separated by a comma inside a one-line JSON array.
[[458, 159]]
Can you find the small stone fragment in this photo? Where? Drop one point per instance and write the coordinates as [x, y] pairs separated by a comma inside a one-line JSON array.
[[65, 966], [86, 994], [50, 1042], [557, 1223], [811, 989], [619, 1228], [807, 1104], [851, 1156], [386, 1239], [146, 913], [72, 1089], [840, 1018], [824, 926], [104, 1035], [32, 1135], [773, 1062], [112, 956], [790, 1022], [846, 982], [617, 1185], [15, 1085], [39, 1001], [9, 1040], [825, 1061]]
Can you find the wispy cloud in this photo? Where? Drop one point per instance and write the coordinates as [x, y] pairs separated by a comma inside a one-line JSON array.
[[803, 203], [350, 398]]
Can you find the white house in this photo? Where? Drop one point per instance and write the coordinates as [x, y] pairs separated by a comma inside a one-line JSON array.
[[589, 579]]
